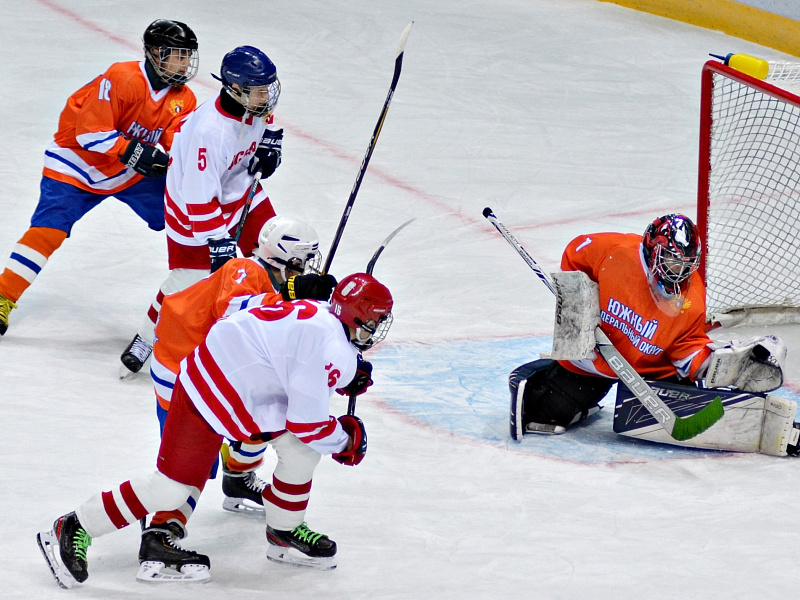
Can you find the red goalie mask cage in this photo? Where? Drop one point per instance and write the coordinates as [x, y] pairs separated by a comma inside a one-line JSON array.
[[749, 194]]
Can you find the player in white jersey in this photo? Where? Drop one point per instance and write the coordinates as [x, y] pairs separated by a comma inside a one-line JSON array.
[[263, 374], [216, 153]]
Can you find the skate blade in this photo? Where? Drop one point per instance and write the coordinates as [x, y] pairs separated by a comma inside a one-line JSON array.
[[48, 544], [290, 556], [243, 506], [153, 571], [544, 429]]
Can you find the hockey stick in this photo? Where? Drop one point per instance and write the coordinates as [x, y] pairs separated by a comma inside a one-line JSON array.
[[398, 63], [680, 428], [248, 201], [351, 405], [374, 259]]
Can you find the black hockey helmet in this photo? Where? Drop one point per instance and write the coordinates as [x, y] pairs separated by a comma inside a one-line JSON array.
[[171, 38]]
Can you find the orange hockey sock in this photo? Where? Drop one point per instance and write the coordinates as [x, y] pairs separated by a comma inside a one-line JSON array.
[[28, 258]]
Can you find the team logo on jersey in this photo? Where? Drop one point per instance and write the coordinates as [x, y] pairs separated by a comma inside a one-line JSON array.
[[148, 136], [176, 106], [632, 325]]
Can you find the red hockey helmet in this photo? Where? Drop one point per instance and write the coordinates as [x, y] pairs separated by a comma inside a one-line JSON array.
[[671, 247], [365, 305]]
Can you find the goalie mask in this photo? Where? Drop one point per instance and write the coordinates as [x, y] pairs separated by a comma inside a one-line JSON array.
[[171, 49], [671, 249], [284, 243], [251, 79], [365, 305]]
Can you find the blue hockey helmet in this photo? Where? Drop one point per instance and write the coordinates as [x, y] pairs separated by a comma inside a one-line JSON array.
[[251, 78]]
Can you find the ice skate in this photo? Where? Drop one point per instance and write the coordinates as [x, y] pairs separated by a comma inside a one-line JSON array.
[[6, 306], [162, 560], [301, 547], [135, 355], [793, 447], [242, 492], [64, 548]]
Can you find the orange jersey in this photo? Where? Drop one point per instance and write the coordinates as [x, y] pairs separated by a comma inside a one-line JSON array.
[[187, 316], [655, 344], [100, 119]]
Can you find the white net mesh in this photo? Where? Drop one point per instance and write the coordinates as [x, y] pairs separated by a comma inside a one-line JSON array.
[[753, 251]]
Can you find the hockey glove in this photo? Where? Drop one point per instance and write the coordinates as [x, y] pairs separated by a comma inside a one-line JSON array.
[[221, 251], [312, 286], [357, 448], [146, 160], [361, 381], [268, 154]]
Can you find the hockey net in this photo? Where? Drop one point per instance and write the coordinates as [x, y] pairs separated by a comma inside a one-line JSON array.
[[749, 194]]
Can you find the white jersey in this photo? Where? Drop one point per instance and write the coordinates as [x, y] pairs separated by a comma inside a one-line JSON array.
[[207, 180], [273, 368]]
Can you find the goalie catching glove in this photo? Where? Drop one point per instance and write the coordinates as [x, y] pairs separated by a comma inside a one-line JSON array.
[[753, 365], [357, 448], [150, 161]]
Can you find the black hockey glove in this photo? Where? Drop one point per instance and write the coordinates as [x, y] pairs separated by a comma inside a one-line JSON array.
[[145, 160], [268, 154], [313, 286], [357, 448], [221, 251], [361, 381]]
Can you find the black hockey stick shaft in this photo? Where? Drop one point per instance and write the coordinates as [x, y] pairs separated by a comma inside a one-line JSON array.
[[680, 428], [374, 259], [246, 209], [398, 63]]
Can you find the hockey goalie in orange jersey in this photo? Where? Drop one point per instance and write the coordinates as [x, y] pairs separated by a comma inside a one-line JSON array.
[[113, 138], [286, 249], [652, 308]]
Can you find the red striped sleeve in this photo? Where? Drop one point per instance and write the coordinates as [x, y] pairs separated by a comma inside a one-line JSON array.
[[310, 432]]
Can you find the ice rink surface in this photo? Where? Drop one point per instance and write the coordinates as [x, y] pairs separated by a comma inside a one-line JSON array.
[[564, 116]]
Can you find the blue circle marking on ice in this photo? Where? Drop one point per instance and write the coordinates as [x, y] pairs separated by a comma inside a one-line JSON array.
[[462, 387]]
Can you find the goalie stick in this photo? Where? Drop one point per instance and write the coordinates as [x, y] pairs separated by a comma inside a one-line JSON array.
[[398, 63], [679, 428], [351, 405]]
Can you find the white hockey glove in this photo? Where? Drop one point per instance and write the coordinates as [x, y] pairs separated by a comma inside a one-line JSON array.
[[753, 365]]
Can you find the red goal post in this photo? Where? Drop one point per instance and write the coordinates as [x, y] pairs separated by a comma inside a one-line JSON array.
[[748, 196]]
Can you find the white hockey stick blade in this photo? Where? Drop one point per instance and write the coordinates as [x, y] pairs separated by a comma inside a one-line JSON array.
[[290, 556], [243, 506], [48, 544], [153, 571]]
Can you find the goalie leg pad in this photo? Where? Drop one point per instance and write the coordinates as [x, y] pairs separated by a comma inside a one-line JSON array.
[[577, 315], [777, 430]]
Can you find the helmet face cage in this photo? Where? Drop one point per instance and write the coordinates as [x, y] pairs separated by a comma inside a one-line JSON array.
[[251, 79], [672, 250], [365, 305], [171, 48]]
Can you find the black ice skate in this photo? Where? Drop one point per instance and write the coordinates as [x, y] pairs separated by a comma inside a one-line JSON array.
[[242, 492], [301, 547], [793, 447], [64, 548], [161, 559], [135, 355]]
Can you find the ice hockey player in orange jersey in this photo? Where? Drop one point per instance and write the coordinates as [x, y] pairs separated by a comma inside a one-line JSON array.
[[286, 249], [112, 140], [652, 308]]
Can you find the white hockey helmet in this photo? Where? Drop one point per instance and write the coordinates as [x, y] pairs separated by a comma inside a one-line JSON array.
[[285, 242]]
